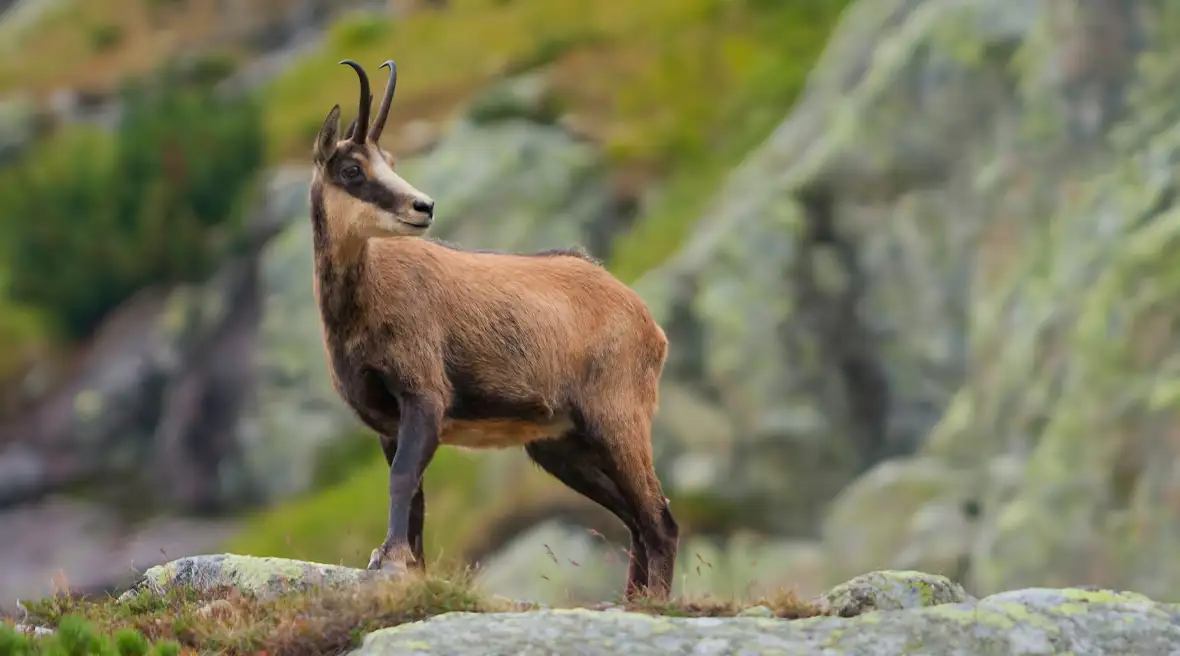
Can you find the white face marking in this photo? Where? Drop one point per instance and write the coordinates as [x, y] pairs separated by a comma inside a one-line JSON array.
[[372, 221], [383, 173]]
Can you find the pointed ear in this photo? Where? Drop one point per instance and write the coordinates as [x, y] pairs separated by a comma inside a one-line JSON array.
[[325, 141], [351, 129]]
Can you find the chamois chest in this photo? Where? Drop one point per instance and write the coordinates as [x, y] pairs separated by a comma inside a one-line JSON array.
[[350, 363], [360, 385]]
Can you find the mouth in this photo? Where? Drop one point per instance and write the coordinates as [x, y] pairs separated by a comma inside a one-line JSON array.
[[420, 226]]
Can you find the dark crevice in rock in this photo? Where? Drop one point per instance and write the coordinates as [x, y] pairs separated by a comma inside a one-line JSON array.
[[844, 342]]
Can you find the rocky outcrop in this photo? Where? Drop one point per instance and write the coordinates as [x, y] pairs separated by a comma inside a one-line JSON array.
[[1034, 621], [890, 590], [1053, 463], [957, 243], [261, 578], [882, 612]]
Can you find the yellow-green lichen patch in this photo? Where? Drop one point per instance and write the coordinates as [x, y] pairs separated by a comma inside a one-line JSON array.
[[257, 575], [161, 575], [1022, 614], [891, 590], [1070, 608], [1104, 596], [956, 612]]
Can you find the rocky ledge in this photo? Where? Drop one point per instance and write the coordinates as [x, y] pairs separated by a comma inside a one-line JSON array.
[[886, 612]]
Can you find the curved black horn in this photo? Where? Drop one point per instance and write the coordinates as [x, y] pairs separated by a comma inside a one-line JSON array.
[[386, 101], [362, 114]]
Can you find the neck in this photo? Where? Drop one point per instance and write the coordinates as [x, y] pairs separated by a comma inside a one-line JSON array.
[[340, 259]]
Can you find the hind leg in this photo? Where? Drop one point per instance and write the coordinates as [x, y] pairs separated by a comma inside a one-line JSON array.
[[615, 456], [573, 459], [633, 472]]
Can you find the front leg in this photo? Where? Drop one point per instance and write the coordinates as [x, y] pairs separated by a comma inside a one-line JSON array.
[[417, 508], [417, 441]]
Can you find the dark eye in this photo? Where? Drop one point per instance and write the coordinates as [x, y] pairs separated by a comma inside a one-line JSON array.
[[351, 172]]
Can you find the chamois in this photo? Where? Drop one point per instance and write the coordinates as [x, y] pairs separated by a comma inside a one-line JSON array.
[[431, 344]]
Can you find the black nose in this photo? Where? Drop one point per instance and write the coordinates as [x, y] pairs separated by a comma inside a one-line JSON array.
[[424, 206]]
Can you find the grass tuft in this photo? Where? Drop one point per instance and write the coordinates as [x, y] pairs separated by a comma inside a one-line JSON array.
[[783, 604], [228, 622], [322, 621]]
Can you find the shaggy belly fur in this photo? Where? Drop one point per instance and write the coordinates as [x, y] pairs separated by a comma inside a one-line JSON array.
[[501, 433]]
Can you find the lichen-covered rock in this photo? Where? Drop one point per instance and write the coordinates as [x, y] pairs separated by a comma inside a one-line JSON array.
[[1048, 238], [795, 308], [263, 578], [891, 590], [1024, 622], [961, 240]]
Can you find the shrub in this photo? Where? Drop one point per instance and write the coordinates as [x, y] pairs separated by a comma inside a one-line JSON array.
[[90, 218], [105, 37]]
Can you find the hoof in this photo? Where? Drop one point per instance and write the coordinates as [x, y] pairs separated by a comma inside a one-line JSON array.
[[384, 561], [375, 559]]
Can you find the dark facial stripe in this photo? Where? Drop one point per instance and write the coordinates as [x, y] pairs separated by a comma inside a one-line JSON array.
[[367, 190], [377, 194]]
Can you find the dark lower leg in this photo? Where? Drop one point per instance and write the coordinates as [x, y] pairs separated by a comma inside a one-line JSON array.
[[417, 508], [626, 460], [638, 576], [417, 442], [661, 535]]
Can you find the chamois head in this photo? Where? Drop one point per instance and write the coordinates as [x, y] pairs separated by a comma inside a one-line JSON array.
[[361, 193]]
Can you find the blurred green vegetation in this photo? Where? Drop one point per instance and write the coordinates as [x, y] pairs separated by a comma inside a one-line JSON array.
[[91, 218], [77, 637]]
